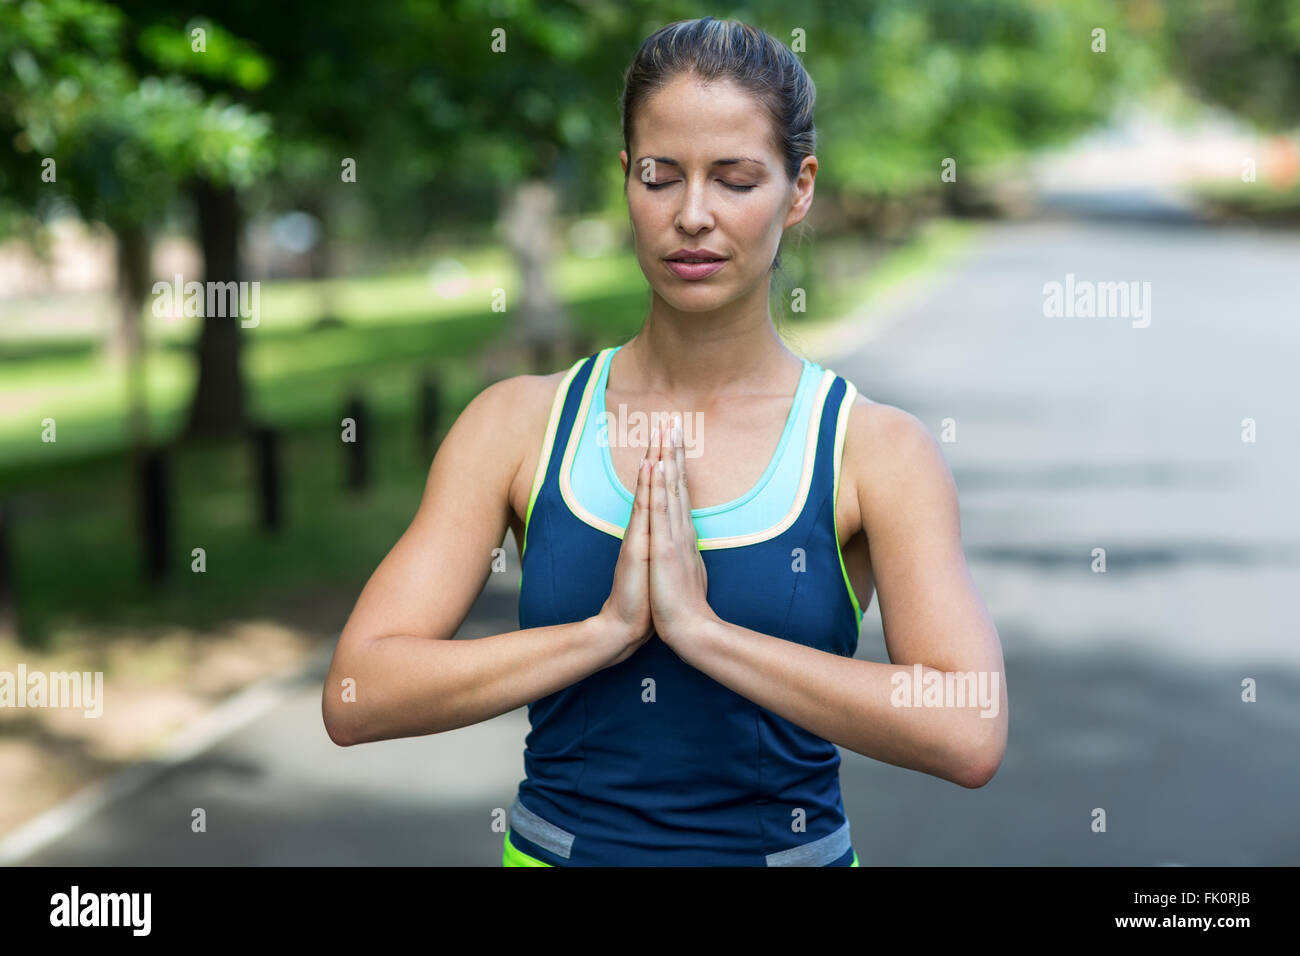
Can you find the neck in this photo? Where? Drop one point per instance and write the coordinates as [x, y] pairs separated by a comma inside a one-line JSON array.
[[699, 356]]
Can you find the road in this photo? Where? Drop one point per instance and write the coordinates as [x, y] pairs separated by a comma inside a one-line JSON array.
[[1125, 686]]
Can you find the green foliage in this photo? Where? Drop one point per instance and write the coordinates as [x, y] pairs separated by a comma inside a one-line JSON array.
[[122, 145], [223, 56], [122, 158], [902, 85], [449, 99], [1243, 55]]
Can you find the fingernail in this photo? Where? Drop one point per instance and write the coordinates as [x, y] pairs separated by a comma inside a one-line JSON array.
[[677, 434], [660, 466]]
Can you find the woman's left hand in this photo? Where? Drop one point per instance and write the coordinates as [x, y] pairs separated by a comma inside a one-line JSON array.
[[678, 580]]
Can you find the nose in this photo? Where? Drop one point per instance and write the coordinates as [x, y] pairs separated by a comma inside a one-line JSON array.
[[694, 213]]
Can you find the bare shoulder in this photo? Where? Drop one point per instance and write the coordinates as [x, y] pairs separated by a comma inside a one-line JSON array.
[[890, 457], [520, 400], [876, 429], [491, 437], [501, 412], [520, 412], [534, 398]]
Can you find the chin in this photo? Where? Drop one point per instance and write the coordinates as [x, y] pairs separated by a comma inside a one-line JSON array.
[[701, 301]]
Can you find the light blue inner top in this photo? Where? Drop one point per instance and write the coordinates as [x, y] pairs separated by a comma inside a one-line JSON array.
[[599, 490]]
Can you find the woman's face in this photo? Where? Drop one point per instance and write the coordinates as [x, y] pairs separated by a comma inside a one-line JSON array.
[[704, 175]]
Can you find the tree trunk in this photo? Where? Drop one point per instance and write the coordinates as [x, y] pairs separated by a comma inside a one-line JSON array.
[[147, 463], [218, 406], [132, 283], [543, 328]]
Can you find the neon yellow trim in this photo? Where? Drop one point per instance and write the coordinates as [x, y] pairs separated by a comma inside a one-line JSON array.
[[855, 858], [511, 855], [552, 424], [841, 428]]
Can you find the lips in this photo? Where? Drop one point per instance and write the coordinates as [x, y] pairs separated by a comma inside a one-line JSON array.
[[694, 255], [693, 271]]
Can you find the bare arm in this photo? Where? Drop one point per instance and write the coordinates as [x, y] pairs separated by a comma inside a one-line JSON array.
[[396, 654], [932, 615]]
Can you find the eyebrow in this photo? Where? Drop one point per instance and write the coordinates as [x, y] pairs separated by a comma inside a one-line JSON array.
[[668, 161]]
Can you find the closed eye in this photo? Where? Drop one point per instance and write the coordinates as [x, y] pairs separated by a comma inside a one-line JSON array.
[[742, 189]]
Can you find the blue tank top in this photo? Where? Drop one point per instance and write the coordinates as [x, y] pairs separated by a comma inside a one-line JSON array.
[[693, 774]]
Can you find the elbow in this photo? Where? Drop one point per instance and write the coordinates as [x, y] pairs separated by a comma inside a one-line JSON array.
[[979, 763], [974, 775], [338, 735], [340, 713], [340, 731]]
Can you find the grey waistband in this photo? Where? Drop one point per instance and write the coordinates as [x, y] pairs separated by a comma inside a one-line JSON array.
[[817, 853], [560, 841], [532, 827]]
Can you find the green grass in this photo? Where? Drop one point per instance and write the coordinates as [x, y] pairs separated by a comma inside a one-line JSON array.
[[295, 371], [74, 545]]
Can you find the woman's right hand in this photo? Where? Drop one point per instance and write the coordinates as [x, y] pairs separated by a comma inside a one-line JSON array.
[[625, 616]]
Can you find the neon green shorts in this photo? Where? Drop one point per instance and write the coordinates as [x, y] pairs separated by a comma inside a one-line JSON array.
[[513, 856]]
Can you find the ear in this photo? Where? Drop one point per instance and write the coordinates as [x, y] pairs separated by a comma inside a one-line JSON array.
[[622, 158], [802, 191]]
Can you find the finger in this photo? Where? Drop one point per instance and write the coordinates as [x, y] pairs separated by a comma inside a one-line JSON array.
[[683, 493], [656, 442], [655, 451], [639, 526], [654, 455], [660, 532], [675, 521]]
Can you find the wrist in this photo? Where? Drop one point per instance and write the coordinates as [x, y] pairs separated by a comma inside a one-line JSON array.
[[694, 640], [612, 636]]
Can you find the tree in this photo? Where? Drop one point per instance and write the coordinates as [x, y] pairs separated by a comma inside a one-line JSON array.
[[904, 86], [1240, 54], [431, 101], [119, 147], [203, 51]]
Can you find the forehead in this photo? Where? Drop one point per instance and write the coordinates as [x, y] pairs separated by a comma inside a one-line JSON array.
[[689, 119]]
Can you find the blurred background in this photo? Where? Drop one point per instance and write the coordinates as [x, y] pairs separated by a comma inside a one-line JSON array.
[[415, 199]]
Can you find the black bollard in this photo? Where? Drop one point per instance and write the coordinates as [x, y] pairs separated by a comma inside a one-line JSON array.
[[156, 512], [430, 410], [356, 450], [266, 443]]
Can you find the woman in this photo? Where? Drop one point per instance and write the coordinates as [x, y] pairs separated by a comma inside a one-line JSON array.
[[691, 595]]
